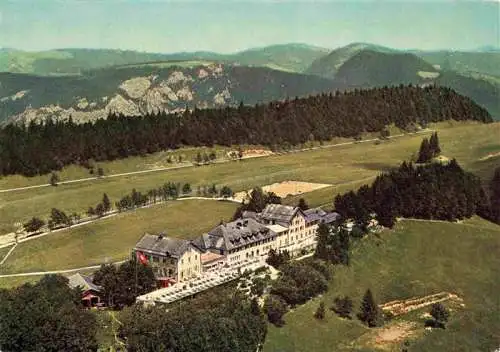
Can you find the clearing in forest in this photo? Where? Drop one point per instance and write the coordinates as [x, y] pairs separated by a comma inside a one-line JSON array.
[[285, 189]]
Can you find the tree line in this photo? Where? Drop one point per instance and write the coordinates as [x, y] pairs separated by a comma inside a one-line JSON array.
[[40, 148], [169, 191]]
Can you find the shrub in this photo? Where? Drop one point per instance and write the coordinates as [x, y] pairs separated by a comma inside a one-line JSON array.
[[275, 308], [343, 307], [320, 312]]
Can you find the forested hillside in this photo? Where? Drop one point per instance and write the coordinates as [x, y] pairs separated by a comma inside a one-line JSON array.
[[370, 68], [40, 148]]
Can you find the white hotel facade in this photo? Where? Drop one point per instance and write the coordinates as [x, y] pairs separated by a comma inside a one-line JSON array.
[[229, 245]]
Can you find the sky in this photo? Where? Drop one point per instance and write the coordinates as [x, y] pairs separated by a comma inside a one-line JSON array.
[[230, 25]]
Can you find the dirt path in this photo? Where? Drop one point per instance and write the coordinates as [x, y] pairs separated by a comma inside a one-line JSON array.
[[39, 273], [8, 239], [216, 162], [8, 253]]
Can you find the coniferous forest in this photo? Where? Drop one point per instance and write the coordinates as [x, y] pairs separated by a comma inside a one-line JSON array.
[[430, 191], [41, 148]]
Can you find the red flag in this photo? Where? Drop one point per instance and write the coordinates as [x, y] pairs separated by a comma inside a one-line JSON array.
[[141, 258]]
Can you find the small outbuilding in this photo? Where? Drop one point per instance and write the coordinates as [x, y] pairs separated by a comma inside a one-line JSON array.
[[90, 291]]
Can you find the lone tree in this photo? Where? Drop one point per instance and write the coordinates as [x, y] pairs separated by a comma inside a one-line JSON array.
[[54, 179], [302, 204], [320, 312], [106, 203], [34, 224], [212, 156], [99, 210], [226, 192], [90, 211], [206, 158], [59, 217], [434, 145], [186, 189], [343, 307], [198, 159], [370, 313], [425, 153]]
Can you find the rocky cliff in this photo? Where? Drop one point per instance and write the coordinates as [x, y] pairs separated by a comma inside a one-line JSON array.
[[145, 90]]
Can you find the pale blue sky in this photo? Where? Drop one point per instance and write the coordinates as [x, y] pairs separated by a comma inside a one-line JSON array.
[[228, 26]]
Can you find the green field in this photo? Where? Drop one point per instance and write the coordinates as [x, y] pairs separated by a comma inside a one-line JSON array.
[[417, 258], [4, 251], [337, 166], [112, 239]]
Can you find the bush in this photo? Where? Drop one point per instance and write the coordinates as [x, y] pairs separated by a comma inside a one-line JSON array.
[[320, 312], [34, 224], [275, 308], [439, 312], [258, 286], [343, 307], [434, 324], [299, 283]]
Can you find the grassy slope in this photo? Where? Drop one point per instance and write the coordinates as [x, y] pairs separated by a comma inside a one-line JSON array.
[[417, 258], [112, 239], [338, 166]]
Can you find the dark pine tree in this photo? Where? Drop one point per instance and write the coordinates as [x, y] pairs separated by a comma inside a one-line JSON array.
[[302, 204], [434, 145], [425, 153], [370, 313], [106, 203]]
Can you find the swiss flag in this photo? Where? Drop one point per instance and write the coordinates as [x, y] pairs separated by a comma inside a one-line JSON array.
[[141, 258]]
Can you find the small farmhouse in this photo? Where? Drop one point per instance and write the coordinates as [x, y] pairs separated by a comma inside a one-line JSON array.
[[90, 291]]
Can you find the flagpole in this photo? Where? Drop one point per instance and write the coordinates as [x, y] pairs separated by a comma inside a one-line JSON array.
[[135, 286]]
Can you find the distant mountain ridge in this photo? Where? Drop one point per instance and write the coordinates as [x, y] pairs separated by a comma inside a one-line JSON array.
[[364, 65], [91, 83], [147, 89], [289, 57]]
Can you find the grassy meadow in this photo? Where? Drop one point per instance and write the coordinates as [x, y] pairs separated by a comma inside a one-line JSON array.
[[112, 239], [416, 258], [337, 166]]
